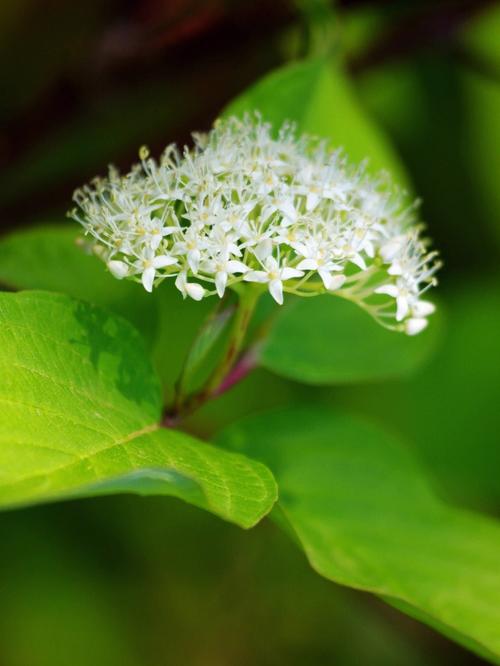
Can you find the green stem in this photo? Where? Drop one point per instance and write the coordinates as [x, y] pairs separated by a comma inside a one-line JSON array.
[[248, 298], [220, 311]]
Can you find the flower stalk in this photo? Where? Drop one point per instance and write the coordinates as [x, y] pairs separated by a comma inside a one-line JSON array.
[[221, 375], [205, 337]]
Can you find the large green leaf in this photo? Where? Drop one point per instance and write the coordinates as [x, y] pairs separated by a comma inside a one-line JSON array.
[[327, 340], [316, 94], [366, 517], [80, 413]]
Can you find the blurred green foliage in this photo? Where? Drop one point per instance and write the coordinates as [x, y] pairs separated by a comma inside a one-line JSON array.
[[147, 581]]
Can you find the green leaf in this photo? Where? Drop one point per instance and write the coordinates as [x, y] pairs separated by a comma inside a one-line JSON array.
[[80, 416], [366, 517], [47, 257], [327, 340], [316, 94]]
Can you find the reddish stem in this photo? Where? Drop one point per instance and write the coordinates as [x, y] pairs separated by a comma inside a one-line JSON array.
[[243, 367]]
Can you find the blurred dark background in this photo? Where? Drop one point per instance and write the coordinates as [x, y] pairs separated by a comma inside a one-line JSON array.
[[144, 582]]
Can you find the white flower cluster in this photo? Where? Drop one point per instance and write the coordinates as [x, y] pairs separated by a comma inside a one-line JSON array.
[[248, 206]]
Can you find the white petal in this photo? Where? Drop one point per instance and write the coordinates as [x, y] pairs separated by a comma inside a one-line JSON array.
[[395, 268], [308, 265], [166, 231], [276, 291], [336, 282], [194, 290], [236, 267], [220, 282], [391, 249], [271, 264], [326, 277], [193, 257], [164, 260], [148, 278], [256, 276], [389, 289], [208, 266], [118, 268], [312, 200], [358, 260], [180, 283], [415, 325], [330, 281], [155, 241], [288, 273], [306, 173], [402, 307], [301, 248], [288, 209], [267, 211], [330, 266], [423, 308], [369, 249], [263, 249]]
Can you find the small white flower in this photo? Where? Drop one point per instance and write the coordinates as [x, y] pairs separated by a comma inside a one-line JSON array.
[[281, 201], [149, 263], [324, 269], [191, 247], [401, 293], [320, 183], [274, 275], [154, 232], [347, 252], [222, 268], [259, 241]]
